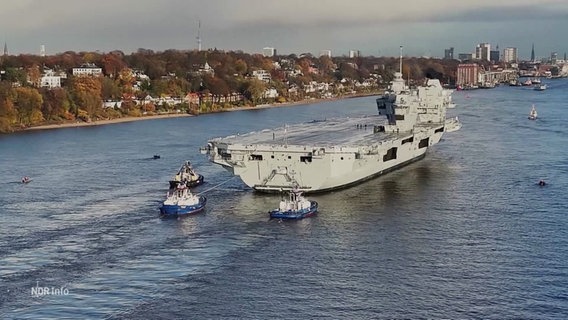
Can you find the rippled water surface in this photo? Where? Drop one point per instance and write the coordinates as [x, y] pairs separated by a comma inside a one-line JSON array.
[[464, 233]]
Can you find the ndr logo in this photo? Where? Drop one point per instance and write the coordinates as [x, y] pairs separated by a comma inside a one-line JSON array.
[[38, 291]]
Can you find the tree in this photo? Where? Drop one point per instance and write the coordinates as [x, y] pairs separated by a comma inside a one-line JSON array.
[[110, 89], [34, 75], [28, 103], [253, 90], [113, 64], [241, 67], [16, 75], [55, 104], [8, 113], [86, 93]]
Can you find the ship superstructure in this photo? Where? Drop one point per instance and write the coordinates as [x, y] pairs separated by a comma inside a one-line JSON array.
[[328, 154]]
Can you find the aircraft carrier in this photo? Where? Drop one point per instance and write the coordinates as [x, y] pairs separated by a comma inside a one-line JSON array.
[[329, 154]]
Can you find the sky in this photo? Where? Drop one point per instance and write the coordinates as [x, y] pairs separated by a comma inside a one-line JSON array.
[[374, 27]]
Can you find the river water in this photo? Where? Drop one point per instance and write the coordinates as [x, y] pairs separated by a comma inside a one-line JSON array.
[[464, 233]]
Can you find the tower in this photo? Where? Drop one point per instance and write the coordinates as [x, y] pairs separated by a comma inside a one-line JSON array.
[[5, 49], [199, 36], [532, 53], [42, 51]]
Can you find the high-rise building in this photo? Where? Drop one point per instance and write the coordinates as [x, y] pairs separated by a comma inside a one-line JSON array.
[[268, 52], [465, 56], [449, 53], [510, 55], [532, 53], [494, 56], [354, 53], [482, 51], [326, 53], [42, 51]]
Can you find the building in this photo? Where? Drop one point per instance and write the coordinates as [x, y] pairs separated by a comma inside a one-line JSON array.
[[87, 69], [465, 56], [354, 53], [467, 74], [262, 75], [50, 81], [510, 55], [494, 56], [449, 53], [325, 53], [483, 51], [554, 58], [268, 52]]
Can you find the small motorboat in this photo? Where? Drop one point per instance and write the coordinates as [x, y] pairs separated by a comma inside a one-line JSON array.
[[296, 207], [533, 114], [26, 179], [186, 175], [181, 202], [156, 156], [542, 183], [540, 87]]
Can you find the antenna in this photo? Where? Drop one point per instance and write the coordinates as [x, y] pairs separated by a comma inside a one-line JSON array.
[[400, 59], [199, 36]]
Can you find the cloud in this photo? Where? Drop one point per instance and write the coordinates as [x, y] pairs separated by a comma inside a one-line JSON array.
[[296, 25]]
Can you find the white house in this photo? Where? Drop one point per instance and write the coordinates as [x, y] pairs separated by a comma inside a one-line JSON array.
[[49, 79], [262, 75], [87, 69]]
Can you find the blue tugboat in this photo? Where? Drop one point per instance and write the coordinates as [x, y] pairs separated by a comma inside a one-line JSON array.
[[296, 207], [186, 175], [181, 202]]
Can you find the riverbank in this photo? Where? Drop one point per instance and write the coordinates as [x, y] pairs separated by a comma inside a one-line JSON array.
[[104, 122], [176, 115]]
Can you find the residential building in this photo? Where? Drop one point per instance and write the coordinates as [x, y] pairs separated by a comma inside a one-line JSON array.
[[50, 81], [467, 74], [206, 69], [354, 53], [325, 53], [262, 75], [87, 69], [510, 55], [268, 52]]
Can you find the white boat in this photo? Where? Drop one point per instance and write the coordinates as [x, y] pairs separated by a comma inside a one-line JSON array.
[[540, 87], [322, 155], [533, 114]]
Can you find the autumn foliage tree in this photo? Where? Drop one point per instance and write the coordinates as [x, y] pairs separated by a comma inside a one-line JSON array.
[[28, 103], [87, 95]]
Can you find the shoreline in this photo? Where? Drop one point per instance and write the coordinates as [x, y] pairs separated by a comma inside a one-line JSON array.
[[178, 115]]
